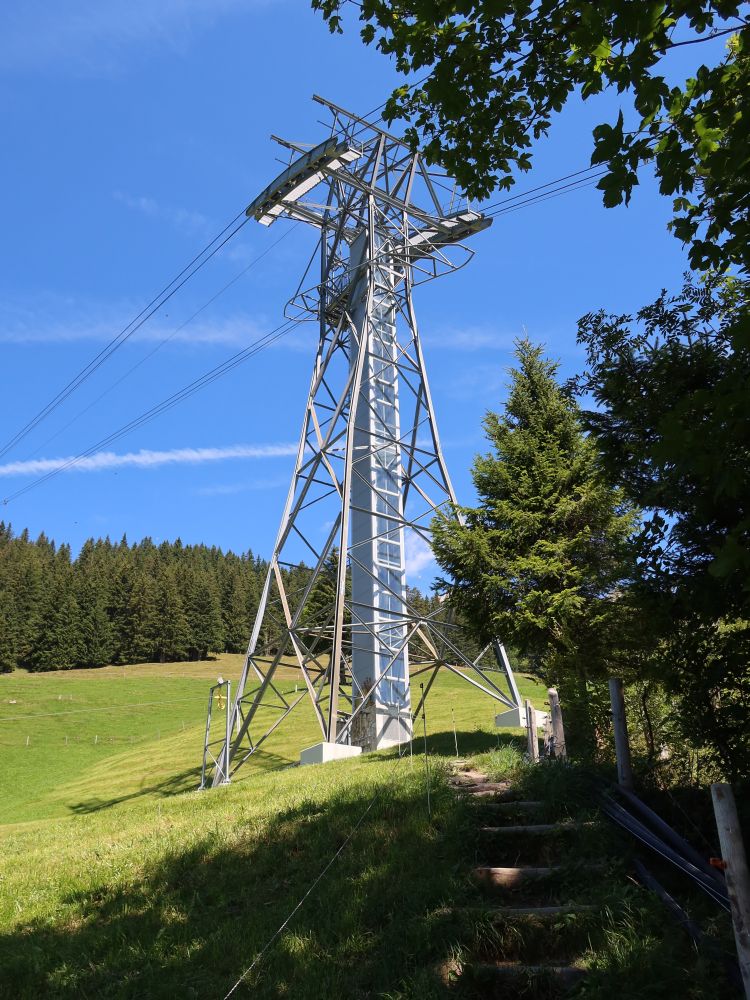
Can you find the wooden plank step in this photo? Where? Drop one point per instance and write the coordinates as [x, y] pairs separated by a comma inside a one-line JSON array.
[[501, 912], [541, 911], [489, 788], [468, 778], [566, 975], [519, 805], [536, 829], [510, 877]]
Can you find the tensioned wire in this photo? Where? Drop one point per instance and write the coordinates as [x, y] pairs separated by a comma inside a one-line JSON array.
[[527, 199], [156, 303], [195, 265], [166, 404], [311, 888], [380, 791], [523, 199], [168, 338]]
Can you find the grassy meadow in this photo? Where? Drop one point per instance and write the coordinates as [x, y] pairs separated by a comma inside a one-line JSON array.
[[118, 878], [80, 741]]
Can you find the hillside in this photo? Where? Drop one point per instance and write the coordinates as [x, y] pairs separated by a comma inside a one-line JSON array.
[[121, 880]]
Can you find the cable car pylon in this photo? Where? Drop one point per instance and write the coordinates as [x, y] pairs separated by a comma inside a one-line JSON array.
[[369, 476]]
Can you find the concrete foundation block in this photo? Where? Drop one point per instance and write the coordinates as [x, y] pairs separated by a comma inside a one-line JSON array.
[[515, 718], [321, 753]]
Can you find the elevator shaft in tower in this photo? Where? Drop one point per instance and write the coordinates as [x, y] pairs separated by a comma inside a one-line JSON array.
[[379, 648]]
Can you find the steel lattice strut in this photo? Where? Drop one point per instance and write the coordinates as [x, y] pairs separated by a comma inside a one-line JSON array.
[[369, 475]]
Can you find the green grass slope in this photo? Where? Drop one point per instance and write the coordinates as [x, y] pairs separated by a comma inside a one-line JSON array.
[[118, 879], [80, 741]]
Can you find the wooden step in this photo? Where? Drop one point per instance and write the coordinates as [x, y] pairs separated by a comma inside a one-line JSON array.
[[487, 788], [511, 877], [509, 972], [536, 829], [542, 911], [502, 912], [468, 779], [519, 805]]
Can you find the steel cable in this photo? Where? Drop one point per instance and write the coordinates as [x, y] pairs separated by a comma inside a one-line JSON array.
[[191, 269]]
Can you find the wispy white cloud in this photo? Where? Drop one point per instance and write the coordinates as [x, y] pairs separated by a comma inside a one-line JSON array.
[[417, 554], [486, 382], [183, 219], [145, 459], [91, 36], [474, 338], [58, 320], [230, 489]]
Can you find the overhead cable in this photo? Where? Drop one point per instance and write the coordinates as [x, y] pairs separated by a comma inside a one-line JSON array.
[[167, 339], [166, 404], [195, 265]]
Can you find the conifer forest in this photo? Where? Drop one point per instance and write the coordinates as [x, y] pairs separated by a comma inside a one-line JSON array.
[[118, 602]]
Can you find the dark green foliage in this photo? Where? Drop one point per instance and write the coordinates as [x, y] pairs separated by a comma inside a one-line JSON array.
[[173, 636], [203, 614], [673, 424], [541, 561], [121, 603], [58, 644], [318, 615], [234, 610], [518, 63]]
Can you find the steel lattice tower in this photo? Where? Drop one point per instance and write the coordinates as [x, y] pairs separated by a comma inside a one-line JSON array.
[[369, 475]]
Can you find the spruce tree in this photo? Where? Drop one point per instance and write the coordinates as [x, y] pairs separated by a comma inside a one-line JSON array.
[[234, 612], [173, 631], [203, 613], [143, 618], [120, 605], [92, 595], [58, 644], [542, 560], [9, 619]]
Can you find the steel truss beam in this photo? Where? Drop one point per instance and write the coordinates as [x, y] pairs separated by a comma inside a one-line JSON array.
[[369, 475]]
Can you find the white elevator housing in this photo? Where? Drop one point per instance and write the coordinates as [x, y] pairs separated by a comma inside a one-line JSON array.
[[380, 654]]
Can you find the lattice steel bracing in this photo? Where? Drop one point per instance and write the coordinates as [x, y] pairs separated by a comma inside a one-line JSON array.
[[369, 475]]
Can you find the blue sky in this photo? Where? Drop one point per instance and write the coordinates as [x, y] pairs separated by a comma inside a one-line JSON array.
[[133, 131]]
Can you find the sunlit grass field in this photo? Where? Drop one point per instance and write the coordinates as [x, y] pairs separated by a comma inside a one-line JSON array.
[[119, 879], [80, 741]]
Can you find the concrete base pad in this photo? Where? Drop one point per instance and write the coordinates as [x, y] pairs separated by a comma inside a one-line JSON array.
[[321, 753], [516, 718]]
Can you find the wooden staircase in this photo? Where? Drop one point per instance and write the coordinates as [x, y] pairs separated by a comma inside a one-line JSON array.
[[534, 865]]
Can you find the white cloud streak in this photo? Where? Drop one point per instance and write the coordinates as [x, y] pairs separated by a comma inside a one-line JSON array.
[[469, 340], [183, 219], [417, 554], [145, 459], [231, 489], [23, 327]]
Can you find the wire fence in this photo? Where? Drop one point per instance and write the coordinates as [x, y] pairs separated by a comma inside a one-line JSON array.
[[31, 740]]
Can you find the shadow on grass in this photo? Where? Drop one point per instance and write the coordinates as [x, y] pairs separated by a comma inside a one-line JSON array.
[[378, 924], [470, 743], [379, 920], [176, 784], [185, 781]]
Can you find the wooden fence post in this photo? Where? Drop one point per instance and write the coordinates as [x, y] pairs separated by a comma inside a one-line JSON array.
[[558, 733], [531, 733], [620, 725], [547, 739], [736, 872]]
